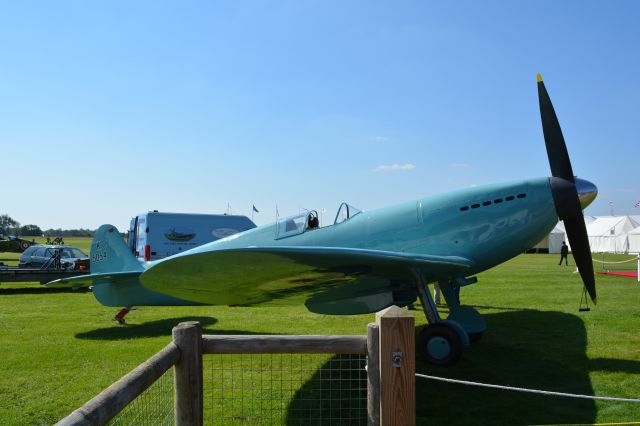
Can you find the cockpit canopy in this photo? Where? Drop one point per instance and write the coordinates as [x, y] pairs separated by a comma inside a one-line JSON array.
[[292, 225], [308, 220]]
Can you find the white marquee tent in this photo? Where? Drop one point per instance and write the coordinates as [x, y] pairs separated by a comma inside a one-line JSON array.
[[634, 240], [610, 233]]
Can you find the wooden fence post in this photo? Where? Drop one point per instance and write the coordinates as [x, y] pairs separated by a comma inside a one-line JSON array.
[[188, 374], [373, 374], [397, 367]]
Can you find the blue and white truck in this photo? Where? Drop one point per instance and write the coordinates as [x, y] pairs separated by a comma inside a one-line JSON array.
[[154, 235]]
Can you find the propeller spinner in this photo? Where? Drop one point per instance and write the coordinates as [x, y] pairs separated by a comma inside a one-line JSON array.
[[570, 194]]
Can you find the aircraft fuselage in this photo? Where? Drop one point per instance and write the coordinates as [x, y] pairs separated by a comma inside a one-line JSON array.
[[488, 225]]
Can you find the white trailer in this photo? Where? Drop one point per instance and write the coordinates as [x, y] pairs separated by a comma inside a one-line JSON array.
[[154, 235]]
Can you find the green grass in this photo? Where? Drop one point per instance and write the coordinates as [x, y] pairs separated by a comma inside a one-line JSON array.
[[59, 349]]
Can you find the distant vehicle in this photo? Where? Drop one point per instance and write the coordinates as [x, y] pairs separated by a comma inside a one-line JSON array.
[[156, 235], [39, 255], [14, 244]]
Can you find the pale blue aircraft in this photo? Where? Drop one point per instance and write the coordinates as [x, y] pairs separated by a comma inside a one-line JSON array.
[[367, 260]]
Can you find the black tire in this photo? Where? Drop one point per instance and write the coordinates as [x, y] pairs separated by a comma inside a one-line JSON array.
[[439, 344], [24, 245]]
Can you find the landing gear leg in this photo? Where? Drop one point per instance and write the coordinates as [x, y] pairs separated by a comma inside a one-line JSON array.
[[120, 315], [428, 306], [467, 317], [441, 342]]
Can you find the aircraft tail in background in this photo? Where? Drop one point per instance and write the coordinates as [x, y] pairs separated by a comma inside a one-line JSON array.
[[110, 259]]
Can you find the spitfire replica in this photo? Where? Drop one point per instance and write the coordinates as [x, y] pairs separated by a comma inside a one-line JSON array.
[[366, 260]]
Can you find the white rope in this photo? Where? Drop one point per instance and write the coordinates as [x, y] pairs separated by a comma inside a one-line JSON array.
[[511, 388], [623, 261]]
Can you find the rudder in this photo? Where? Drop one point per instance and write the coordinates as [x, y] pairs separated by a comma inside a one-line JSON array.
[[109, 252]]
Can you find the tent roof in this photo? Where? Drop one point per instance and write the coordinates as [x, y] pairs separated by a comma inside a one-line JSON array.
[[603, 225]]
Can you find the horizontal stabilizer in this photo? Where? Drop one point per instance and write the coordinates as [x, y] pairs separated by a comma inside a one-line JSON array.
[[88, 280]]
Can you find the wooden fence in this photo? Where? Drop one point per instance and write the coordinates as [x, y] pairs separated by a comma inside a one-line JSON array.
[[389, 346]]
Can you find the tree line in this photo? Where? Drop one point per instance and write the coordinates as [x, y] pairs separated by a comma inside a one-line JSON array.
[[9, 226]]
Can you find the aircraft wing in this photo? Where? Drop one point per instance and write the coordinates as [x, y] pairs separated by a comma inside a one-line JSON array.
[[88, 280], [326, 279]]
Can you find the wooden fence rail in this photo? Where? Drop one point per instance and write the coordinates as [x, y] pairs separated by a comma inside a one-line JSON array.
[[270, 344]]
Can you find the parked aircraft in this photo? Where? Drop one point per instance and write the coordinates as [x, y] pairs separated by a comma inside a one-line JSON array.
[[366, 260], [14, 244]]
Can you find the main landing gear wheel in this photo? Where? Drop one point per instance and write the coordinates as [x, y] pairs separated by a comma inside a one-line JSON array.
[[439, 344]]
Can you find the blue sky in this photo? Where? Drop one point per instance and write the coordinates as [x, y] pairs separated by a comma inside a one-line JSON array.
[[108, 109]]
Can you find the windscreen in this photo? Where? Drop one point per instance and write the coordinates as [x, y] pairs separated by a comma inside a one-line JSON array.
[[346, 211]]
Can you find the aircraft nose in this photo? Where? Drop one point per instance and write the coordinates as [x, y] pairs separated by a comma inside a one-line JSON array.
[[587, 192]]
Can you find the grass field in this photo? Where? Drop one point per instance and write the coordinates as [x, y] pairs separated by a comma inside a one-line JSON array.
[[61, 348]]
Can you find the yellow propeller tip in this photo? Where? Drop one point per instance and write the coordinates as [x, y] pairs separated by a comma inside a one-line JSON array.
[[539, 77], [595, 301]]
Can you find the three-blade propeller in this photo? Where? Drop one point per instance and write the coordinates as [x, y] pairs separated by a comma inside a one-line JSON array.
[[567, 190]]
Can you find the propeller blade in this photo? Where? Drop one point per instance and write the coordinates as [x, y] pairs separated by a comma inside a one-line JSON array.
[[579, 241], [565, 191], [553, 139]]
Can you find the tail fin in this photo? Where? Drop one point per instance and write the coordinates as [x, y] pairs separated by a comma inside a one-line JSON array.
[[109, 253]]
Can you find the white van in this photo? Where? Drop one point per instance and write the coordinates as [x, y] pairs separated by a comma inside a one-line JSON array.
[[155, 235]]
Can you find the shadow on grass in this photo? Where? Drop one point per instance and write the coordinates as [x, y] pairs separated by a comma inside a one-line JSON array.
[[39, 290], [148, 329], [615, 365], [529, 349], [156, 329], [500, 308]]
